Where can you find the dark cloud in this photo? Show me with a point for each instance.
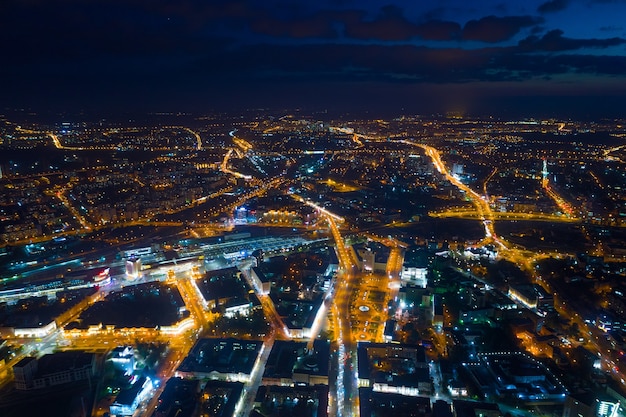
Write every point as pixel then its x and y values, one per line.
pixel 434 14
pixel 409 64
pixel 114 29
pixel 537 30
pixel 611 28
pixel 319 25
pixel 493 29
pixel 436 30
pixel 554 41
pixel 390 25
pixel 502 8
pixel 552 6
pixel 147 48
pixel 593 64
pixel 365 62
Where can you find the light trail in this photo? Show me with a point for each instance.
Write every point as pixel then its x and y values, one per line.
pixel 244 406
pixel 508 215
pixel 243 144
pixel 486 181
pixel 482 206
pixel 224 167
pixel 84 223
pixel 318 207
pixel 563 205
pixel 57 143
pixel 607 153
pixel 346 382
pixel 197 136
pixel 266 303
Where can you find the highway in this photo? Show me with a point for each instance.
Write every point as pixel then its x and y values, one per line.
pixel 482 206
pixel 485 193
pixel 507 251
pixel 347 394
pixel 563 205
pixel 224 167
pixel 57 143
pixel 197 136
pixel 463 213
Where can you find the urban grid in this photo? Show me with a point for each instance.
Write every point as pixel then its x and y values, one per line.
pixel 313 209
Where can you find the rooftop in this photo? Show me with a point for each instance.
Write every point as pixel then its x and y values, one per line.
pixel 222 355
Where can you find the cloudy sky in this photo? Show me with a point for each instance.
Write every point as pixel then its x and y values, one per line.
pixel 560 57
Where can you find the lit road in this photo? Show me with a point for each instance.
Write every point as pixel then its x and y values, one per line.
pixel 563 205
pixel 368 314
pixel 483 210
pixel 394 269
pixel 607 153
pixel 224 167
pixel 197 136
pixel 323 211
pixel 193 300
pixel 611 359
pixel 244 145
pixel 482 206
pixel 394 262
pixel 346 398
pixel 61 196
pixel 486 181
pixel 464 213
pixel 30 347
pixel 389 284
pixel 200 200
pixel 166 373
pixel 246 401
pixel 266 303
pixel 57 143
pixel 182 343
pixel 440 391
pixel 50 342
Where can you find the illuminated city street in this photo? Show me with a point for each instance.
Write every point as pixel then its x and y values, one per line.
pixel 305 264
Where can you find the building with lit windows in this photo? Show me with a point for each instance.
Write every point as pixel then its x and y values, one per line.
pixel 123 358
pixel 128 400
pixel 463 408
pixel 295 363
pixel 592 405
pixel 53 369
pixel 394 368
pixel 133 268
pixel 221 359
pixel 414 276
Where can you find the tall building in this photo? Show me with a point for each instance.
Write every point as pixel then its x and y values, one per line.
pixel 133 268
pixel 457 169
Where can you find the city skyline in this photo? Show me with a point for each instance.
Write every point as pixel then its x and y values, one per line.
pixel 293 263
pixel 310 209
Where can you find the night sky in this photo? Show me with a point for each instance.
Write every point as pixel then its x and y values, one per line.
pixel 565 58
